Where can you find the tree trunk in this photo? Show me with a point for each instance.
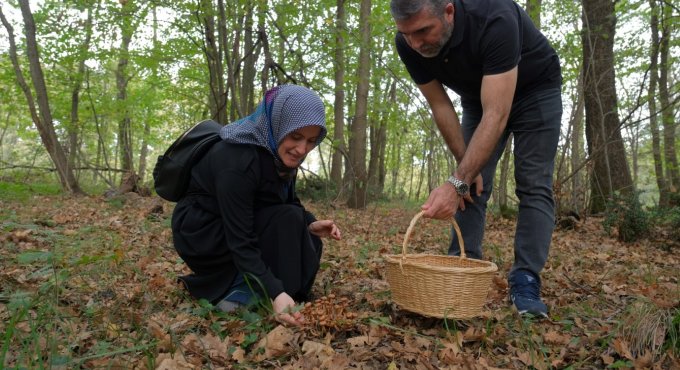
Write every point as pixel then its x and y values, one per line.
pixel 578 191
pixel 427 170
pixel 122 79
pixel 377 141
pixel 611 174
pixel 382 138
pixel 248 78
pixel 339 103
pixel 43 120
pixel 231 96
pixel 411 173
pixel 213 58
pixel 672 173
pixel 651 103
pixel 77 79
pixel 503 176
pixel 422 170
pixel 533 8
pixel 396 150
pixel 357 143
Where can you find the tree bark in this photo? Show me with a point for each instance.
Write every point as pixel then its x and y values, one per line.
pixel 248 77
pixel 672 173
pixel 357 143
pixel 43 119
pixel 213 58
pixel 533 8
pixel 127 29
pixel 382 138
pixel 611 174
pixel 651 103
pixel 503 176
pixel 377 139
pixel 339 103
pixel 230 59
pixel 578 191
pixel 77 79
pixel 396 150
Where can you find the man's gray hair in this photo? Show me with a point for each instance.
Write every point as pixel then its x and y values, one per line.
pixel 404 9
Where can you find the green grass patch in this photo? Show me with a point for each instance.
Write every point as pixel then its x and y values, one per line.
pixel 23 191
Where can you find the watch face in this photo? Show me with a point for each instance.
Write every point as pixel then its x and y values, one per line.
pixel 461 187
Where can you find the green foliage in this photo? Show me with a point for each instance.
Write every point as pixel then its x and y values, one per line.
pixel 672 342
pixel 625 213
pixel 508 212
pixel 24 190
pixel 668 221
pixel 316 189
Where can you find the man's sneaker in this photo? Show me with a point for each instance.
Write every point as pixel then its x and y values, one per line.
pixel 525 293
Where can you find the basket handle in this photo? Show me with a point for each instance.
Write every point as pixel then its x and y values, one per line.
pixel 409 231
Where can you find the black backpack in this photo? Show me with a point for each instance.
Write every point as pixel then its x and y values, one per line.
pixel 172 172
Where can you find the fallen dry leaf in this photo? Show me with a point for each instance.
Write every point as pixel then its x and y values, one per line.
pixel 276 343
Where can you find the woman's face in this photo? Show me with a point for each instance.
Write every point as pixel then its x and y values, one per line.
pixel 294 147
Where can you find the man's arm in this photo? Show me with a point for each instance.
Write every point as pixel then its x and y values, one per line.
pixel 445 117
pixel 497 94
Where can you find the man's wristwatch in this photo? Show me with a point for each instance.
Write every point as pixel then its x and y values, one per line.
pixel 461 187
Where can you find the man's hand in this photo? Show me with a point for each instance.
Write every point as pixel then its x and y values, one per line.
pixel 283 306
pixel 442 203
pixel 479 186
pixel 324 229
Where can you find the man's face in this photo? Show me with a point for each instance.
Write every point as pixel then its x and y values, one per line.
pixel 427 33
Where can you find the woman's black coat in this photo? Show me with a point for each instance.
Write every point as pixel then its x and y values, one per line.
pixel 218 228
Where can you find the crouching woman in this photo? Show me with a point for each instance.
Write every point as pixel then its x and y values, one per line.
pixel 241 228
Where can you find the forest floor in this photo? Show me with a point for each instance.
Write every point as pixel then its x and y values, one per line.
pixel 90 282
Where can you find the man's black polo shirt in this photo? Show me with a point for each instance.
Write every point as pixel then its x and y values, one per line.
pixel 489 37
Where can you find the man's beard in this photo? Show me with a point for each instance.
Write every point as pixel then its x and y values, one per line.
pixel 432 50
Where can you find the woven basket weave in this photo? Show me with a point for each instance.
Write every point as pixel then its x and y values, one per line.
pixel 436 285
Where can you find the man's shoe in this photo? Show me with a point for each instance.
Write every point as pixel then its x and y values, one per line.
pixel 525 293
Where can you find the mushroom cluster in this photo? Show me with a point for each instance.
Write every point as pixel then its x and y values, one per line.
pixel 329 313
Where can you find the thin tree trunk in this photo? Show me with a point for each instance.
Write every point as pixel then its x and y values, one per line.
pixel 651 102
pixel 122 79
pixel 411 174
pixel 213 59
pixel 578 190
pixel 672 174
pixel 376 145
pixel 43 119
pixel 74 127
pixel 503 177
pixel 382 138
pixel 428 165
pixel 339 103
pixel 231 58
pixel 421 171
pixel 248 80
pixel 357 146
pixel 396 149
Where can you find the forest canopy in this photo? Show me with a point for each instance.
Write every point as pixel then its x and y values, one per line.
pixel 94 90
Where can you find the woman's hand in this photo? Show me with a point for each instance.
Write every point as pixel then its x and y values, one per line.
pixel 324 229
pixel 283 306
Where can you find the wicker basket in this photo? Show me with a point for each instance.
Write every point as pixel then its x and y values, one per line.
pixel 436 285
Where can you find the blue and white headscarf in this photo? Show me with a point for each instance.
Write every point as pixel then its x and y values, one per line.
pixel 283 110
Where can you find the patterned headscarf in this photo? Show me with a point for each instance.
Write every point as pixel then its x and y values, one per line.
pixel 283 110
